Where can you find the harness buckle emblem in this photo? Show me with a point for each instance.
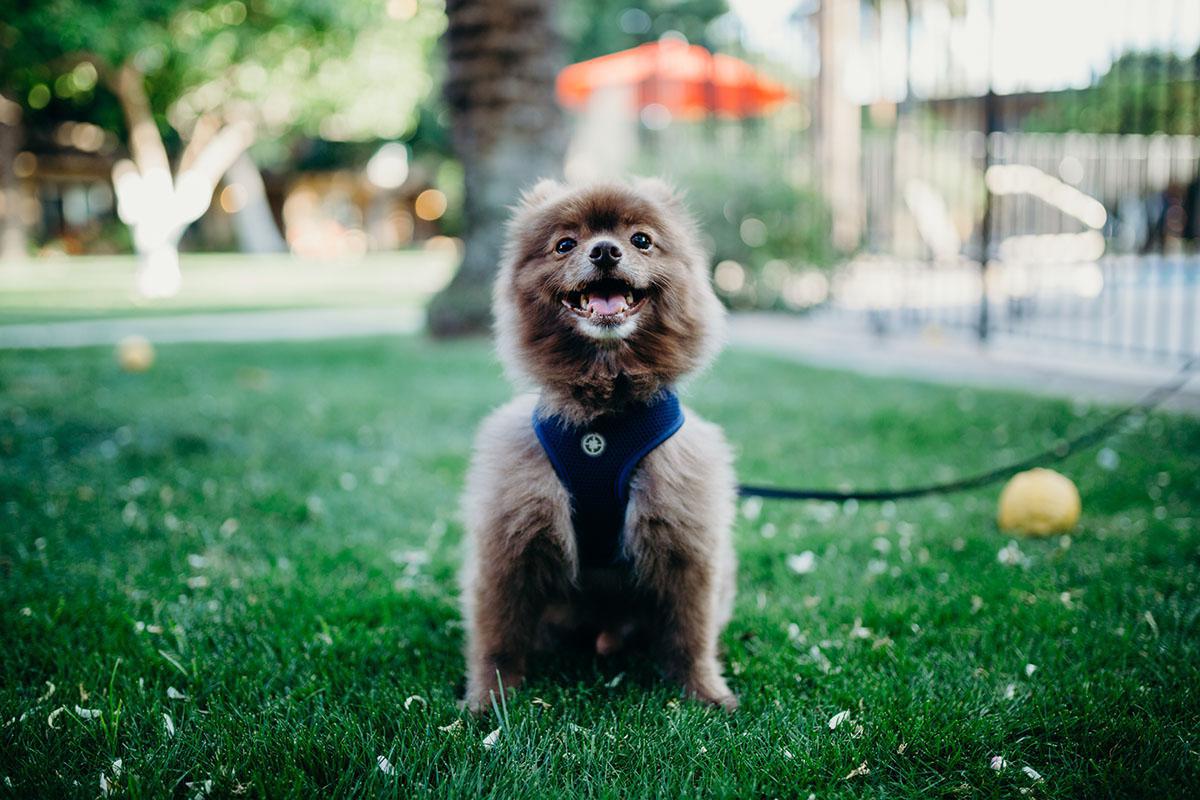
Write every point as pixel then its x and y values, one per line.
pixel 593 444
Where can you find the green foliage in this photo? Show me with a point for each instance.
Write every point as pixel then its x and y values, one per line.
pixel 755 214
pixel 1150 92
pixel 606 26
pixel 271 530
pixel 340 69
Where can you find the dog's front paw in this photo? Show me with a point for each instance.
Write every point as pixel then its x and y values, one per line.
pixel 478 702
pixel 714 692
pixel 482 688
pixel 729 702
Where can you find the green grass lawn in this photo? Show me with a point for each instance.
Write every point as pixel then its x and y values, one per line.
pixel 95 287
pixel 258 543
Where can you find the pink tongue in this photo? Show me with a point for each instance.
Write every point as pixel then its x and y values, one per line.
pixel 606 306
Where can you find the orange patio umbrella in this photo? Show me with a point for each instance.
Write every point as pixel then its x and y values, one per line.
pixel 686 79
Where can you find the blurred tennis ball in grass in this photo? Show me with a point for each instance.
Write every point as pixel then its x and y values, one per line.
pixel 135 354
pixel 1039 502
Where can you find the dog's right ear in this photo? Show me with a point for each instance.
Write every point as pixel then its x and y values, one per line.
pixel 662 191
pixel 539 193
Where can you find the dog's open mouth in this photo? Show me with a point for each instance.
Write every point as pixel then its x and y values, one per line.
pixel 606 302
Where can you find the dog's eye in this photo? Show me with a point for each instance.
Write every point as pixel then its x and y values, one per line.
pixel 565 245
pixel 640 240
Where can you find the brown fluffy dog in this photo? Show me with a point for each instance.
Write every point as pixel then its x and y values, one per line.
pixel 522 584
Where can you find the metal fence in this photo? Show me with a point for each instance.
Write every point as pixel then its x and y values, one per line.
pixel 971 221
pixel 1091 239
pixel 978 178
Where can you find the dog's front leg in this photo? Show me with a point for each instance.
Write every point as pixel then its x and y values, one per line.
pixel 519 570
pixel 685 587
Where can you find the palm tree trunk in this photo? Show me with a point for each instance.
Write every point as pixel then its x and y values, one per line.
pixel 502 60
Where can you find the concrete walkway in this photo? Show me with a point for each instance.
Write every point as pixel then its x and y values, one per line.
pixel 227 326
pixel 844 343
pixel 835 342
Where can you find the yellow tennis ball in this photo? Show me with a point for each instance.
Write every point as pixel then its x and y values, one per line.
pixel 1039 502
pixel 135 354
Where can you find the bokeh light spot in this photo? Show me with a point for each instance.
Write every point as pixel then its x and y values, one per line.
pixel 24 164
pixel 656 116
pixel 84 76
pixel 233 13
pixel 430 205
pixel 39 96
pixel 402 9
pixel 233 198
pixel 388 168
pixel 635 20
pixel 753 232
pixel 730 277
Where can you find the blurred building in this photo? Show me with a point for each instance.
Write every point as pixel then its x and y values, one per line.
pixel 67 203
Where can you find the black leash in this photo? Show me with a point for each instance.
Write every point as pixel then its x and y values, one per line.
pixel 1061 450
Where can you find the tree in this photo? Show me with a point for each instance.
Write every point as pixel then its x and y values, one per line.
pixel 1142 92
pixel 502 57
pixel 207 78
pixel 599 27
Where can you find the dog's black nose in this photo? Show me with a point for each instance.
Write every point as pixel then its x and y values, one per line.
pixel 605 253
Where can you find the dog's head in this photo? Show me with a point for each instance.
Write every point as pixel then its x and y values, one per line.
pixel 603 296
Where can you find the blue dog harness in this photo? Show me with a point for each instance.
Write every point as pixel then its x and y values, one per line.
pixel 595 463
